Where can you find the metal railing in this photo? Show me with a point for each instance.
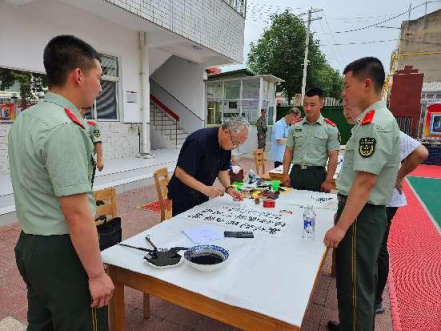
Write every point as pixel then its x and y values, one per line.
pixel 160 123
pixel 189 121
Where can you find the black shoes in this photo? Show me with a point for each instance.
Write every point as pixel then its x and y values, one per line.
pixel 333 326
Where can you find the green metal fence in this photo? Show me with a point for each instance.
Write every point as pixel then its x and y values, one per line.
pixel 334 113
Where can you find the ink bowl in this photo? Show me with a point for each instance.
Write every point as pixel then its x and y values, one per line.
pixel 206 257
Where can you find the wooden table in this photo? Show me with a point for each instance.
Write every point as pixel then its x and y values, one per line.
pixel 236 316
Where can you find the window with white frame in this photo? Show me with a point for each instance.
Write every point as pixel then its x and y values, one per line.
pixel 107 101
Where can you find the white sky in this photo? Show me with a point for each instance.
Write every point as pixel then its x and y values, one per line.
pixel 339 15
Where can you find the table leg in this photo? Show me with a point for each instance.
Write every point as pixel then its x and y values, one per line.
pixel 116 305
pixel 146 299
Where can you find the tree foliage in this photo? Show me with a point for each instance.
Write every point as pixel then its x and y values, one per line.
pixel 30 83
pixel 280 52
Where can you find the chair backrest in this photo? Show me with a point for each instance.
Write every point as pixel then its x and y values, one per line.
pixel 161 182
pixel 108 196
pixel 259 159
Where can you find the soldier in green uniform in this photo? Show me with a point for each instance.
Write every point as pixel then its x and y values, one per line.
pixel 365 185
pixel 94 133
pixel 50 157
pixel 311 142
pixel 261 130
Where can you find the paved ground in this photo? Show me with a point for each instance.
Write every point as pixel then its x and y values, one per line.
pixel 165 316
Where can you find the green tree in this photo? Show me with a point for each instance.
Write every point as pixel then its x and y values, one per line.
pixel 280 52
pixel 30 83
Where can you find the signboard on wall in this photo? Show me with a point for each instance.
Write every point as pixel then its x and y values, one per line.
pixel 7 112
pixel 432 124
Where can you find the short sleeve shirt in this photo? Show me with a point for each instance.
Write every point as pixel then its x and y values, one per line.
pixel 280 131
pixel 313 141
pixel 50 156
pixel 94 131
pixel 373 147
pixel 407 146
pixel 202 158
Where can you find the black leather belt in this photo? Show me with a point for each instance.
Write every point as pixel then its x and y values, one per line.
pixel 343 199
pixel 304 167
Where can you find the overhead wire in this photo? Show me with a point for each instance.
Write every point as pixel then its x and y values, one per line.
pixel 381 22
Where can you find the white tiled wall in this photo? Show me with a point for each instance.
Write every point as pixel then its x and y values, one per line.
pixel 211 23
pixel 119 141
pixel 4 163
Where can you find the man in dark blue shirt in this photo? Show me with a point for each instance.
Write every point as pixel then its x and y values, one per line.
pixel 205 156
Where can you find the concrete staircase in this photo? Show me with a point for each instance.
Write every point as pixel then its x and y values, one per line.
pixel 166 125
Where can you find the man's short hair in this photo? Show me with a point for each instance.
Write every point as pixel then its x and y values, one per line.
pixel 295 111
pixel 314 91
pixel 236 124
pixel 65 53
pixel 368 67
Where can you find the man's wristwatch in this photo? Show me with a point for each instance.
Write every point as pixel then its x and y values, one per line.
pixel 226 190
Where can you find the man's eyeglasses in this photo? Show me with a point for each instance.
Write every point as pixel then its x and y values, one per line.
pixel 235 143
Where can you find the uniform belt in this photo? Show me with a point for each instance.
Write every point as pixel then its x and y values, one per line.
pixel 303 167
pixel 343 199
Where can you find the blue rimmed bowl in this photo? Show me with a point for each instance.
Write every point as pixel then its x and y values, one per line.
pixel 206 257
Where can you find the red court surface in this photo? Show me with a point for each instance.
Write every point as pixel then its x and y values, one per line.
pixel 431 171
pixel 415 264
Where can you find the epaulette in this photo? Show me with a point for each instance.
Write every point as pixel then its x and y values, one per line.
pixel 368 117
pixel 329 122
pixel 73 117
pixel 91 123
pixel 297 120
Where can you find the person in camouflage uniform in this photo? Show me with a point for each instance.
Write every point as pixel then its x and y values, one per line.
pixel 261 130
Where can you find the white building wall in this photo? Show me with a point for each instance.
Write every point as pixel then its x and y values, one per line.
pixel 4 163
pixel 211 23
pixel 25 43
pixel 185 81
pixel 119 140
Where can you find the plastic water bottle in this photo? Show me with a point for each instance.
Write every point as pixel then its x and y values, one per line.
pixel 309 223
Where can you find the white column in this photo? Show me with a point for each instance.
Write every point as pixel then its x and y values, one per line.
pixel 145 94
pixel 260 95
pixel 240 96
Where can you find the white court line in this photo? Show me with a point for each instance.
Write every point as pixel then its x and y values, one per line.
pixel 435 223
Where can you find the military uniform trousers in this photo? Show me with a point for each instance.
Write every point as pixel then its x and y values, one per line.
pixel 58 288
pixel 356 265
pixel 309 179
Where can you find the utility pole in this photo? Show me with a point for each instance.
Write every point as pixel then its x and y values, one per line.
pixel 305 61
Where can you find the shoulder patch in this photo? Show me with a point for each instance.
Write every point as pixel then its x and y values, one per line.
pixel 297 120
pixel 91 123
pixel 73 117
pixel 327 120
pixel 368 117
pixel 367 147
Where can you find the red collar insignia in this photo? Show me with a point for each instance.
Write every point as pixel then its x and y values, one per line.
pixel 329 121
pixel 297 120
pixel 73 117
pixel 91 123
pixel 368 117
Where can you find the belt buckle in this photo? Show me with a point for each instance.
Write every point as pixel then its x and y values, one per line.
pixel 303 167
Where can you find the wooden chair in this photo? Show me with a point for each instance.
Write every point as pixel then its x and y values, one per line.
pixel 161 182
pixel 109 208
pixel 259 160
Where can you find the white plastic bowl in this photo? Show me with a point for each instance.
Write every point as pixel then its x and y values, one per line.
pixel 203 250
